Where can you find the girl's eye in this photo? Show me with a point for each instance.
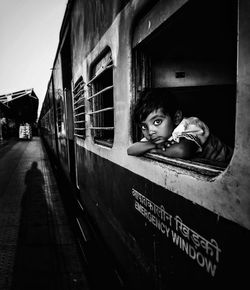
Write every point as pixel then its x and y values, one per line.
pixel 143 127
pixel 157 122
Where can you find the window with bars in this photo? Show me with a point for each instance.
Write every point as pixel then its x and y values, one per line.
pixel 101 102
pixel 79 109
pixel 59 115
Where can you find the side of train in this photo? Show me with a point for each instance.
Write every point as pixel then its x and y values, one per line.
pixel 164 220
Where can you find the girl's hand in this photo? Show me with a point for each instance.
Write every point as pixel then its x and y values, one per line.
pixel 165 145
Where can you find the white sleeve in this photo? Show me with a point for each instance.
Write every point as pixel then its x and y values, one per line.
pixel 192 129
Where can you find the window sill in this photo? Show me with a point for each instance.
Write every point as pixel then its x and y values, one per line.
pixel 104 143
pixel 195 165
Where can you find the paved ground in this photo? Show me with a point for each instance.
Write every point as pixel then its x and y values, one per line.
pixel 37 247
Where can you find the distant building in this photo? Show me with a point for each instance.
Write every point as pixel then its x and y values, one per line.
pixel 17 108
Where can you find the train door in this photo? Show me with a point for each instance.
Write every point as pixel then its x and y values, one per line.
pixel 66 78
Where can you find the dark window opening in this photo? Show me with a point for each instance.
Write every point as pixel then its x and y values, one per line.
pixel 193 54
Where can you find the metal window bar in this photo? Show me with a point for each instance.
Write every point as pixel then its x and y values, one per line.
pixel 80 114
pixel 78 130
pixel 79 85
pixel 79 107
pixel 100 92
pixel 79 122
pixel 79 100
pixel 102 110
pixel 78 92
pixel 100 73
pixel 78 135
pixel 101 128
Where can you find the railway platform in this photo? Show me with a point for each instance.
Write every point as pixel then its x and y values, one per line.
pixel 38 249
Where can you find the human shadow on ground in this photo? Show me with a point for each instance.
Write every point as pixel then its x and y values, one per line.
pixel 36 259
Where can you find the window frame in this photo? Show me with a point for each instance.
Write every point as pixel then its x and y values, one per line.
pixel 59 114
pixel 144 29
pixel 79 108
pixel 98 90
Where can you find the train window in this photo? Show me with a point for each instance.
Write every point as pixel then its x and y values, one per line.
pixel 101 102
pixel 79 108
pixel 59 115
pixel 191 50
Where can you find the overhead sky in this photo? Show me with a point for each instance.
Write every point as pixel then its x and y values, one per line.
pixel 29 36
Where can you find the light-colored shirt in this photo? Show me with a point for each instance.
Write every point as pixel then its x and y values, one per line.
pixel 208 146
pixel 192 129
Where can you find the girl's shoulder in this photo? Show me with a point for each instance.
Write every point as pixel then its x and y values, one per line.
pixel 193 129
pixel 192 122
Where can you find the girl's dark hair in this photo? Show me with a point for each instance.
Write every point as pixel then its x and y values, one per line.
pixel 153 99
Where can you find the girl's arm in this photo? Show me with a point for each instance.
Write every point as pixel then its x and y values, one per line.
pixel 184 149
pixel 140 148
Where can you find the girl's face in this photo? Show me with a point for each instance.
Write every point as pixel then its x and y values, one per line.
pixel 157 127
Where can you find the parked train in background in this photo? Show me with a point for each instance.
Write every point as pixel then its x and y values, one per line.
pixel 166 221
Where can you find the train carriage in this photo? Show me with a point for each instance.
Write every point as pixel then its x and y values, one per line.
pixel 165 220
